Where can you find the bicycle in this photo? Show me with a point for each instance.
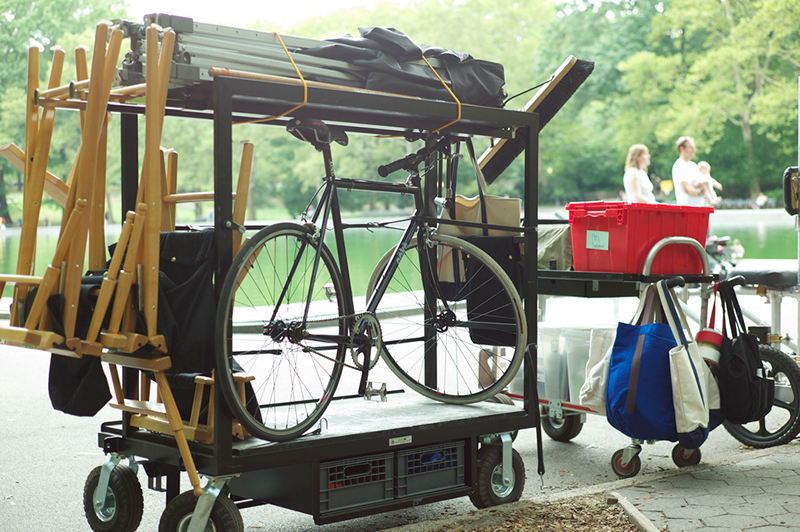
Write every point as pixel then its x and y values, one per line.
pixel 287 318
pixel 782 424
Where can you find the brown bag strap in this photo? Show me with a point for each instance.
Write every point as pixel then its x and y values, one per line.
pixel 633 383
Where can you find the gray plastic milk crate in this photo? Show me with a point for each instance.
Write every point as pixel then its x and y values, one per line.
pixel 430 468
pixel 356 481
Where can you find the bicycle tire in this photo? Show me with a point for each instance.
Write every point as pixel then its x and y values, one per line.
pixel 292 385
pixel 782 424
pixel 461 376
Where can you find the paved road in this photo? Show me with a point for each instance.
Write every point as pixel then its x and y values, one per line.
pixel 45 457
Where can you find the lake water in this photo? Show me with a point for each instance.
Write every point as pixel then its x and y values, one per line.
pixel 763 233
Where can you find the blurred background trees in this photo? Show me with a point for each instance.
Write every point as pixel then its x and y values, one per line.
pixel 722 71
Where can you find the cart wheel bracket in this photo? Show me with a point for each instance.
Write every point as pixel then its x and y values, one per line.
pixel 629 452
pixel 105 477
pixel 554 409
pixel 506 440
pixel 205 503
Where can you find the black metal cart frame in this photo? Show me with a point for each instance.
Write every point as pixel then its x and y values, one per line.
pixel 227 101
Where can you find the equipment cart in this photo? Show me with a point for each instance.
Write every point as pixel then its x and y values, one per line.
pixel 564 351
pixel 358 457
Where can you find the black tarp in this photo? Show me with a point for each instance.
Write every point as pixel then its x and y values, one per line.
pixel 391 62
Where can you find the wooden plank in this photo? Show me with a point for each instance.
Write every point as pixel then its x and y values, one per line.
pixel 22 336
pixel 147 408
pixel 191 197
pixel 20 279
pixel 53 186
pixel 141 361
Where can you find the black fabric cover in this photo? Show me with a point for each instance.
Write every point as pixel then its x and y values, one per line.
pixel 76 386
pixel 187 306
pixel 486 299
pixel 391 63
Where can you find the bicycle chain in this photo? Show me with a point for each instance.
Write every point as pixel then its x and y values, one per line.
pixel 357 319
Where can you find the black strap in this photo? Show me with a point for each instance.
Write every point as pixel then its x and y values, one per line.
pixel 476 169
pixel 452 178
pixel 730 306
pixel 532 394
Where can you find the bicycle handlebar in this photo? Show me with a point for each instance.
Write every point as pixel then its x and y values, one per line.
pixel 411 162
pixel 675 281
pixel 736 281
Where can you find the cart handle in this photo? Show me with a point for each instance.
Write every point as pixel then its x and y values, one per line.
pixel 661 244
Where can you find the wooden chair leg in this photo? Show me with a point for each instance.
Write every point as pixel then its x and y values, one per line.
pixel 52 276
pixel 242 191
pixel 175 422
pixel 97 213
pixel 110 282
pixel 157 80
pixel 125 280
pixel 99 88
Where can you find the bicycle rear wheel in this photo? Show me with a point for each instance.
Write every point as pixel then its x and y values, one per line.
pixel 439 347
pixel 260 332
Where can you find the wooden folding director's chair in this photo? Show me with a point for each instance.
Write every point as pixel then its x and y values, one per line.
pixel 121 327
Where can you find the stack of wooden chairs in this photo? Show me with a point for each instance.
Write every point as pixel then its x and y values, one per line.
pixel 135 260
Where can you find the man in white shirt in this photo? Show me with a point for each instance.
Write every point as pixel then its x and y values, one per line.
pixel 684 174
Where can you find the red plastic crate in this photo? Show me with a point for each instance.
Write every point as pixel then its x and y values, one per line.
pixel 617 236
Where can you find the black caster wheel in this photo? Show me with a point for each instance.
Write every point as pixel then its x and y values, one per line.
pixel 491 490
pixel 225 516
pixel 123 503
pixel 625 471
pixel 685 457
pixel 562 428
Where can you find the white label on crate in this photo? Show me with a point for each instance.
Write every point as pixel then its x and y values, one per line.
pixel 399 441
pixel 597 240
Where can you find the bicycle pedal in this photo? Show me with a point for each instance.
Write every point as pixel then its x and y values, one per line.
pixel 372 391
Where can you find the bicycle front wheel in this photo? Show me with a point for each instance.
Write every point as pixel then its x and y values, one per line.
pixel 261 331
pixel 450 342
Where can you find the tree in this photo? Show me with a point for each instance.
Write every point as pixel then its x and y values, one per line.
pixel 731 62
pixel 26 24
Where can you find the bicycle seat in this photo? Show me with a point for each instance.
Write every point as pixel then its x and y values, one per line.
pixel 316 132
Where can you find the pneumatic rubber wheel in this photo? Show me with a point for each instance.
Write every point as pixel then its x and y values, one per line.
pixel 429 323
pixel 225 516
pixel 782 423
pixel 274 307
pixel 123 503
pixel 563 428
pixel 685 457
pixel 625 471
pixel 491 490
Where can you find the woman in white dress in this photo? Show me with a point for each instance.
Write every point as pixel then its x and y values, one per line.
pixel 638 188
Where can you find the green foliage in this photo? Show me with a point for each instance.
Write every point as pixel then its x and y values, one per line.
pixel 724 72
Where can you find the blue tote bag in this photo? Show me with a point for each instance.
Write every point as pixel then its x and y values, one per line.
pixel 639 392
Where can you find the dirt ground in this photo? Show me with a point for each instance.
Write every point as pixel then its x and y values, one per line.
pixel 583 514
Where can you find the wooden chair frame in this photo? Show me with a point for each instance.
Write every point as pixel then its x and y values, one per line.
pixel 136 257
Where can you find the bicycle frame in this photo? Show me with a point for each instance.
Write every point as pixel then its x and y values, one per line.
pixel 328 209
